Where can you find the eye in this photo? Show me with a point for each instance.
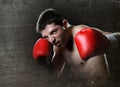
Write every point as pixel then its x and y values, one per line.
pixel 54 31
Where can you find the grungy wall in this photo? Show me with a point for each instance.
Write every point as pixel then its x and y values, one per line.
pixel 17 37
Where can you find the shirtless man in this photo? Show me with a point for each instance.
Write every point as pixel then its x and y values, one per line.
pixel 66 39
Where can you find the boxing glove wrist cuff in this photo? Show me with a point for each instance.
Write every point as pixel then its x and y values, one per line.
pixel 114 39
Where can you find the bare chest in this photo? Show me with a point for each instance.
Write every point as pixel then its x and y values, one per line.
pixel 72 57
pixel 92 65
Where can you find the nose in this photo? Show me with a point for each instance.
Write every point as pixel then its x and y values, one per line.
pixel 52 39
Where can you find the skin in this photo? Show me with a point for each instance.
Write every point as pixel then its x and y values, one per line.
pixel 94 71
pixel 54 34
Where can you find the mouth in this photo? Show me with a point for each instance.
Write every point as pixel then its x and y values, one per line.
pixel 58 44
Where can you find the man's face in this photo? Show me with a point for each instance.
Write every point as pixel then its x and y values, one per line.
pixel 54 34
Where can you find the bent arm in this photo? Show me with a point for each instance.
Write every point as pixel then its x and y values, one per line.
pixel 114 37
pixel 58 62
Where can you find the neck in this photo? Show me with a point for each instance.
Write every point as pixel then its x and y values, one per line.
pixel 69 38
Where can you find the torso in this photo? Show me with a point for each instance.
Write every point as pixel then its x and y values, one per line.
pixel 94 70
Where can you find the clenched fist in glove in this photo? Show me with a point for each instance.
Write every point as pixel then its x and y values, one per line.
pixel 91 42
pixel 42 50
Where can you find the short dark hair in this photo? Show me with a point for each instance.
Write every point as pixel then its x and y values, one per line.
pixel 48 16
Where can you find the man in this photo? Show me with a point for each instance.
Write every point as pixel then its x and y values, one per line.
pixel 66 39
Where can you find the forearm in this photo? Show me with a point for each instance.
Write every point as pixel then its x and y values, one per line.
pixel 58 66
pixel 114 39
pixel 58 62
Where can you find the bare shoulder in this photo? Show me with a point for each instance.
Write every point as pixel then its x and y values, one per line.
pixel 77 28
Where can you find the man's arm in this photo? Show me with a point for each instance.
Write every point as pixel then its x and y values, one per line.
pixel 44 53
pixel 114 37
pixel 91 42
pixel 58 61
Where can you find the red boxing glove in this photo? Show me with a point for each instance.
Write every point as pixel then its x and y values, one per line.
pixel 42 49
pixel 91 42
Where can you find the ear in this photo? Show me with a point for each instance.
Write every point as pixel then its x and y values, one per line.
pixel 65 23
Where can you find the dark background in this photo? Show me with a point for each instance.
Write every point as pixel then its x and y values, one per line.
pixel 17 37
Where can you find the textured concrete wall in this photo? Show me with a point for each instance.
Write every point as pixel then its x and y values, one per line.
pixel 17 36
